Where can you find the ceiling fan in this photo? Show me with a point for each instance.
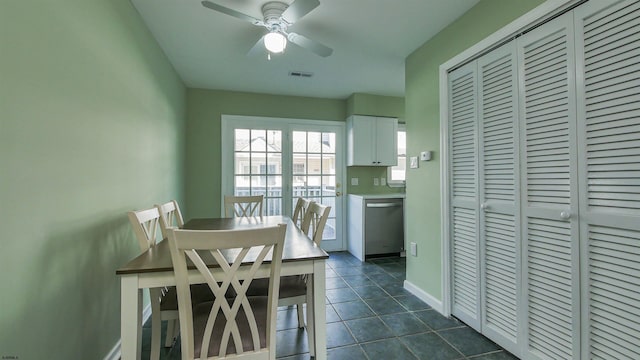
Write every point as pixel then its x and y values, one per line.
pixel 278 16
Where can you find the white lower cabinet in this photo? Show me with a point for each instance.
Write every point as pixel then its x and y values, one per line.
pixel 544 206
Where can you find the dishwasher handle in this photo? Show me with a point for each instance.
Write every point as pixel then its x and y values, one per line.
pixel 384 205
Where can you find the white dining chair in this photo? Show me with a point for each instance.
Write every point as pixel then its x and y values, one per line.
pixel 300 211
pixel 293 288
pixel 243 206
pixel 239 327
pixel 163 300
pixel 315 220
pixel 171 217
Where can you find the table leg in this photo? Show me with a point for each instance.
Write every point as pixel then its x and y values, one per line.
pixel 130 318
pixel 310 317
pixel 319 305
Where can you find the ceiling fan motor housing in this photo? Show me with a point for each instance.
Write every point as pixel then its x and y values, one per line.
pixel 272 12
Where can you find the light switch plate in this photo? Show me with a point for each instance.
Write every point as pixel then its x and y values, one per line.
pixel 383 181
pixel 376 182
pixel 413 162
pixel 354 181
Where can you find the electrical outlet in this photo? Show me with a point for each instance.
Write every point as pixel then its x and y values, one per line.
pixel 376 182
pixel 414 249
pixel 383 181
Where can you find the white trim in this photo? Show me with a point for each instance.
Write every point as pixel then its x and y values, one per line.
pixel 536 16
pixel 116 352
pixel 398 183
pixel 424 296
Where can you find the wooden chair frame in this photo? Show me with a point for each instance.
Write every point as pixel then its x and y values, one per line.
pixel 315 220
pixel 300 211
pixel 145 226
pixel 170 216
pixel 243 206
pixel 192 244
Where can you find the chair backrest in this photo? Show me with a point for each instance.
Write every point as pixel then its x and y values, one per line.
pixel 238 318
pixel 315 219
pixel 145 226
pixel 243 206
pixel 300 211
pixel 170 216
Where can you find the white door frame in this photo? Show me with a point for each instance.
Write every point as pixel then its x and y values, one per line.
pixel 231 122
pixel 538 15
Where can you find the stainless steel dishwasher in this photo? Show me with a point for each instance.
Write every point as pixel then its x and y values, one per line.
pixel 383 226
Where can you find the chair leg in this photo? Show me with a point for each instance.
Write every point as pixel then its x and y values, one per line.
pixel 168 341
pixel 156 330
pixel 300 315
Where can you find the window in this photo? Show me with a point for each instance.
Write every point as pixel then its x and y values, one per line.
pixel 396 174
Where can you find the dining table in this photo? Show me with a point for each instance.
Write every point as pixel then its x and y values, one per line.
pixel 154 268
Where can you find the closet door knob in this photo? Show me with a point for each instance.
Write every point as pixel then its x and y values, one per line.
pixel 565 215
pixel 484 206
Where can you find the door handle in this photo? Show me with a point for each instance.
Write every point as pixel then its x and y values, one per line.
pixel 384 205
pixel 338 193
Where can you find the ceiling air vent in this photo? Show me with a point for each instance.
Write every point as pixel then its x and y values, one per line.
pixel 300 74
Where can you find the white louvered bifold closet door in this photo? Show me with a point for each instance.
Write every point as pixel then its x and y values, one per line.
pixel 463 173
pixel 499 196
pixel 549 190
pixel 608 63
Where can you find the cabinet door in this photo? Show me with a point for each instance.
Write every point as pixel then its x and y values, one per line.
pixel 499 197
pixel 463 173
pixel 550 192
pixel 608 49
pixel 386 144
pixel 361 147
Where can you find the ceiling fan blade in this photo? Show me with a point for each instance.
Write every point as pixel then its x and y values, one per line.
pixel 311 45
pixel 235 14
pixel 298 9
pixel 257 48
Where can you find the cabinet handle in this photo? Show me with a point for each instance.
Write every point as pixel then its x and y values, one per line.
pixel 565 215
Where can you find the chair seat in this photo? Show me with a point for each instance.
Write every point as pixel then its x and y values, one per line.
pixel 290 286
pixel 200 293
pixel 201 313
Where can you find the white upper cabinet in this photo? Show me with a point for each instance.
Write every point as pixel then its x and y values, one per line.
pixel 372 141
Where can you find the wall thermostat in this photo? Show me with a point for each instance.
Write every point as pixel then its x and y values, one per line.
pixel 425 155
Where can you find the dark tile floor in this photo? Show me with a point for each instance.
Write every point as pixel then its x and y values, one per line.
pixel 371 316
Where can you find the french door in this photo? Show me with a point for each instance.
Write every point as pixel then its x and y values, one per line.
pixel 283 159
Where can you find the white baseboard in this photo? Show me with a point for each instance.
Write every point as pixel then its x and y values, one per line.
pixel 424 296
pixel 115 353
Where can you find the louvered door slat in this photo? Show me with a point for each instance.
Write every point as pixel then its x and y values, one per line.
pixel 498 148
pixel 608 65
pixel 548 161
pixel 464 194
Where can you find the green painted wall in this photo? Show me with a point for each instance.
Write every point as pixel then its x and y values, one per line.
pixel 204 152
pixel 373 105
pixel 376 105
pixel 91 125
pixel 423 129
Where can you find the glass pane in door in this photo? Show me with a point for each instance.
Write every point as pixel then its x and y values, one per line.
pixel 258 166
pixel 314 172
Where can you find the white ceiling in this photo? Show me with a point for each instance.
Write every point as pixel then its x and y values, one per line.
pixel 370 41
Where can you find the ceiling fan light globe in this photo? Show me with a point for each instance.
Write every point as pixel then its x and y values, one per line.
pixel 275 42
